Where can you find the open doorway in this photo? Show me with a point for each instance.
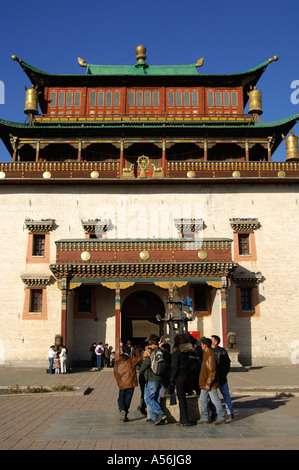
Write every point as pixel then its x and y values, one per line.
pixel 138 316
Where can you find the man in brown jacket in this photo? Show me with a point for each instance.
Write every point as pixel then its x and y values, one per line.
pixel 208 384
pixel 126 377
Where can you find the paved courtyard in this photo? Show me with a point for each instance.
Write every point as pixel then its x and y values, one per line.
pixel 266 403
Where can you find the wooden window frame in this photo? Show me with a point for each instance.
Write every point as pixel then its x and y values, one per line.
pixel 255 311
pixel 202 313
pixel 27 313
pixel 143 109
pixel 182 109
pixel 222 109
pixel 30 258
pixel 253 254
pixel 110 109
pixel 93 310
pixel 73 110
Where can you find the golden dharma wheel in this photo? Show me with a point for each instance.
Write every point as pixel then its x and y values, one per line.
pixel 94 174
pixel 255 101
pixel 291 147
pixel 31 101
pixel 47 175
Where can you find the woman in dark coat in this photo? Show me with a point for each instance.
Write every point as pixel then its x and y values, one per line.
pixel 183 359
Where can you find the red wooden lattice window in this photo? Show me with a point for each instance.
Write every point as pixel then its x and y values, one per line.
pixel 183 101
pixel 104 101
pixel 223 101
pixel 65 101
pixel 144 101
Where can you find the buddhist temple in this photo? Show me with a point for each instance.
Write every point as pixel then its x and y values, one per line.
pixel 131 184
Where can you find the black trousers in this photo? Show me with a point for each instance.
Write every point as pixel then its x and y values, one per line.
pixel 182 386
pixel 125 398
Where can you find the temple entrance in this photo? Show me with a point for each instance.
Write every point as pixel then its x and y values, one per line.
pixel 138 316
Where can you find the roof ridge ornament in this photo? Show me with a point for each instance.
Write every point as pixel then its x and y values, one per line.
pixel 82 62
pixel 200 62
pixel 140 53
pixel 274 58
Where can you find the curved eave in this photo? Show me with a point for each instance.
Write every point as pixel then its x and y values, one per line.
pixel 42 130
pixel 243 79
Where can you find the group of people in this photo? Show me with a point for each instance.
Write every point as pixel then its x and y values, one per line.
pixel 188 368
pixel 57 359
pixel 101 356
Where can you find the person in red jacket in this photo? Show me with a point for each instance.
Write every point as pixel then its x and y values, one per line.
pixel 126 377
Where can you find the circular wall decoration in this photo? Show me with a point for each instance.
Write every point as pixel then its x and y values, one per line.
pixel 47 174
pixel 85 256
pixel 95 174
pixel 281 174
pixel 144 255
pixel 191 174
pixel 202 254
pixel 2 175
pixel 236 174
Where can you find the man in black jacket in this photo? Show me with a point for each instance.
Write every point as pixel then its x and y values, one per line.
pixel 223 368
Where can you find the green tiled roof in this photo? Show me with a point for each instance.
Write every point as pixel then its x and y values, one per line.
pixel 141 69
pixel 168 73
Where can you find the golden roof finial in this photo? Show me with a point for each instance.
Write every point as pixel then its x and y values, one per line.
pixel 274 58
pixel 200 62
pixel 140 53
pixel 81 62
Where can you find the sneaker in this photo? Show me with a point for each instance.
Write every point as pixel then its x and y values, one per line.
pixel 159 418
pixel 229 417
pixel 203 422
pixel 122 415
pixel 149 421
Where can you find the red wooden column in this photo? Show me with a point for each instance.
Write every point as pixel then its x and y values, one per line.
pixel 246 151
pixel 205 150
pixel 164 156
pixel 224 312
pixel 64 293
pixel 117 321
pixel 121 158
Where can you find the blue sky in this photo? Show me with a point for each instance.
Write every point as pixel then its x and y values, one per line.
pixel 232 36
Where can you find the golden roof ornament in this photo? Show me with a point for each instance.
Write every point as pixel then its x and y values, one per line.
pixel 82 62
pixel 140 53
pixel 274 58
pixel 200 62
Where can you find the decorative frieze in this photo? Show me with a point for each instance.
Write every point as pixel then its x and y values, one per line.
pixel 36 280
pixel 39 226
pixel 244 225
pixel 96 225
pixel 247 279
pixel 141 270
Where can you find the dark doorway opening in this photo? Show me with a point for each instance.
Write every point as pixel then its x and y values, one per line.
pixel 138 316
